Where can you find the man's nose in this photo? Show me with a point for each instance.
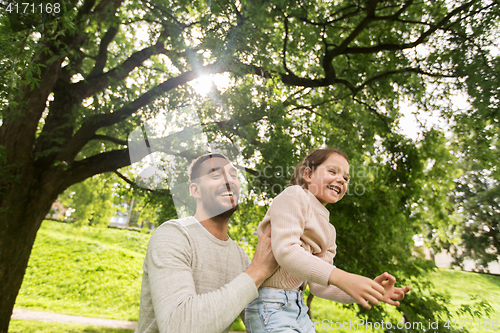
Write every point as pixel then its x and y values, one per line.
pixel 228 178
pixel 232 181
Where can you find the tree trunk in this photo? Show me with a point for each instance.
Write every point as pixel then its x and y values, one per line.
pixel 22 209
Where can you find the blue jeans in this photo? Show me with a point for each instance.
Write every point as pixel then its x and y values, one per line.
pixel 278 311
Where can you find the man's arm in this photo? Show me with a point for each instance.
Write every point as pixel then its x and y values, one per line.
pixel 263 263
pixel 176 306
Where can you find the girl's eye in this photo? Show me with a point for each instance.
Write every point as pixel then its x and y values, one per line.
pixel 346 179
pixel 333 172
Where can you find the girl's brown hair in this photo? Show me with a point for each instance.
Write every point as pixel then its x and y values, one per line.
pixel 312 161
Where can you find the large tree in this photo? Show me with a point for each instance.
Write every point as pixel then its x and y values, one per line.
pixel 77 82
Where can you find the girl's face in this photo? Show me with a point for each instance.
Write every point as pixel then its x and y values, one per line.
pixel 328 182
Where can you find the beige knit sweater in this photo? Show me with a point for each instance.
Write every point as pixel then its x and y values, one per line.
pixel 303 242
pixel 192 281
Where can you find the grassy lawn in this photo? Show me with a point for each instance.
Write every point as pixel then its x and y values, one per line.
pixel 85 271
pixel 97 272
pixel 31 326
pixel 467 289
pixel 464 288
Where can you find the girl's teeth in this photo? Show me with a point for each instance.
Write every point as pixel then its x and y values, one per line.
pixel 334 189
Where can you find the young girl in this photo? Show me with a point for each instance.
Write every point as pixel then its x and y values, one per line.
pixel 303 243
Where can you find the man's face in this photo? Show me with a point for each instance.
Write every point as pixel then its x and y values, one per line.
pixel 219 187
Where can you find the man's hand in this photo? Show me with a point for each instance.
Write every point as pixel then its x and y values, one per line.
pixel 392 294
pixel 361 288
pixel 263 263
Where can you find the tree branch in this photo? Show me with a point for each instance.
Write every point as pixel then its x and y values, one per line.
pixel 406 5
pixel 298 81
pixel 308 108
pixel 394 47
pixel 285 41
pixel 85 9
pixel 94 165
pixel 111 139
pixel 401 71
pixel 102 56
pixel 370 16
pixel 163 12
pixel 333 21
pixel 86 88
pixel 382 118
pixel 88 129
pixel 131 183
pixel 19 126
pixel 74 65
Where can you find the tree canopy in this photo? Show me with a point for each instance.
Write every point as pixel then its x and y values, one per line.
pixel 76 83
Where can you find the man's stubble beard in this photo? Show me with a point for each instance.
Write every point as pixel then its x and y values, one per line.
pixel 216 211
pixel 223 217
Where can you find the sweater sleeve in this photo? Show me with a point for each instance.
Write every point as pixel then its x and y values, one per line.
pixel 176 305
pixel 288 213
pixel 331 292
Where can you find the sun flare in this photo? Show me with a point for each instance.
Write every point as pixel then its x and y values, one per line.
pixel 206 83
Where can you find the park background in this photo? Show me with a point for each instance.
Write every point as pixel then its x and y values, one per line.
pixel 275 79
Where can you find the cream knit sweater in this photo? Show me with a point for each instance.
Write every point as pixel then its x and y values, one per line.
pixel 303 242
pixel 192 281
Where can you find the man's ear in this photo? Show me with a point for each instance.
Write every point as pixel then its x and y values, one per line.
pixel 194 190
pixel 306 175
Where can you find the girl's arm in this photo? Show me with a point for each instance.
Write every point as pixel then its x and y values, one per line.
pixel 361 288
pixel 330 292
pixel 392 294
pixel 333 293
pixel 288 214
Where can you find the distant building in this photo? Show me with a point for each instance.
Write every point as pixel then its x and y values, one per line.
pixel 130 221
pixel 57 211
pixel 120 222
pixel 444 260
pixel 123 222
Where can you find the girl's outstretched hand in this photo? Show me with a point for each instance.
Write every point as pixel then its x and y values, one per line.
pixel 361 288
pixel 392 294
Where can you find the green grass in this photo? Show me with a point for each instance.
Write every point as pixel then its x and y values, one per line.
pixel 463 285
pixel 32 326
pixel 464 289
pixel 97 272
pixel 85 271
pixel 329 316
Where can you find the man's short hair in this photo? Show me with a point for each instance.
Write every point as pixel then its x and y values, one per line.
pixel 194 167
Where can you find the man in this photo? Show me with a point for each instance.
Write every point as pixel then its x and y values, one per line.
pixel 196 279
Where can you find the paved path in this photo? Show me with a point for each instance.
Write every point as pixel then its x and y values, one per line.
pixel 63 318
